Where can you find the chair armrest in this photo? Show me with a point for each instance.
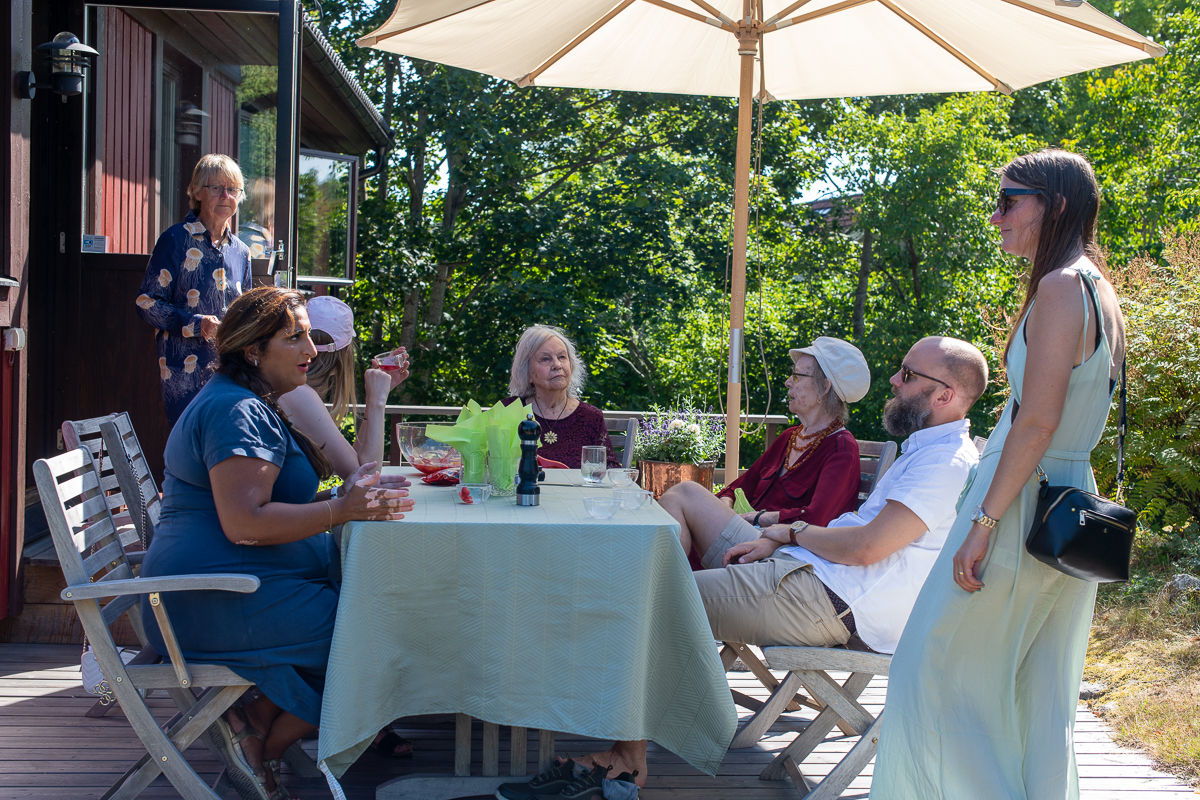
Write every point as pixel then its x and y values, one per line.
pixel 226 582
pixel 135 557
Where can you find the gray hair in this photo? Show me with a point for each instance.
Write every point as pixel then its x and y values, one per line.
pixel 831 404
pixel 519 384
pixel 208 166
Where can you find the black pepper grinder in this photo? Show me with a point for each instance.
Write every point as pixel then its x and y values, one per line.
pixel 527 470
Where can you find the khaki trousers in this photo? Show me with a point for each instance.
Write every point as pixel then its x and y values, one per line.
pixel 775 602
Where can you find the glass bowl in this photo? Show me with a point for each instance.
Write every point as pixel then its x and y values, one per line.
pixel 472 493
pixel 601 507
pixel 422 450
pixel 632 498
pixel 621 477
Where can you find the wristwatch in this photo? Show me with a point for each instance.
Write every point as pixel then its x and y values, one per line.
pixel 983 519
pixel 797 527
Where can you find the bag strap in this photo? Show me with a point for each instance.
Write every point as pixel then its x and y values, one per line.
pixel 1121 423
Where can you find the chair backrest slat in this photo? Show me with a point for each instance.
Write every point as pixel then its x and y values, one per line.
pixel 880 457
pixel 133 474
pixel 117 607
pixel 110 555
pixel 92 507
pixel 622 438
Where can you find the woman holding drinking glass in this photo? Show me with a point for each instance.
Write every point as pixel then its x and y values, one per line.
pixel 197 269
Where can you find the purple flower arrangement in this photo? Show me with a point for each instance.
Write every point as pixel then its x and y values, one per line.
pixel 683 435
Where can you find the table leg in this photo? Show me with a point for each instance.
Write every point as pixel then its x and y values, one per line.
pixel 517 751
pixel 545 750
pixel 462 745
pixel 491 749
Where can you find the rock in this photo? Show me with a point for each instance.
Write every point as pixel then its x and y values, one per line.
pixel 1090 691
pixel 1108 708
pixel 1179 588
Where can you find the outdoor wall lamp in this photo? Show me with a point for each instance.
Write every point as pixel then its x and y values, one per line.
pixel 68 59
pixel 189 124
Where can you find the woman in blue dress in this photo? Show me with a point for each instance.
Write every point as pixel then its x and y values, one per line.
pixel 240 496
pixel 197 269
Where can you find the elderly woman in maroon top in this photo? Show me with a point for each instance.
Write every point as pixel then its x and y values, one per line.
pixel 809 474
pixel 548 374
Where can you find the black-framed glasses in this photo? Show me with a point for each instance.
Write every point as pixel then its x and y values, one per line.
pixel 801 374
pixel 1005 201
pixel 216 191
pixel 907 372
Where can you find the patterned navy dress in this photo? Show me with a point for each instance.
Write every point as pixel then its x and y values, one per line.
pixel 188 275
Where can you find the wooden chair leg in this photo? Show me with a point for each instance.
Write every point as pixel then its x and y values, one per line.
pixel 843 773
pixel 765 717
pixel 815 733
pixel 491 749
pixel 545 750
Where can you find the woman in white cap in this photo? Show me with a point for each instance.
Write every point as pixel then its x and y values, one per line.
pixel 331 380
pixel 810 473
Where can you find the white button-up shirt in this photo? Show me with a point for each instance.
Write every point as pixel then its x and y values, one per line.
pixel 927 478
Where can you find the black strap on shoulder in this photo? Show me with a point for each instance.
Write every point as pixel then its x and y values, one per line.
pixel 1121 422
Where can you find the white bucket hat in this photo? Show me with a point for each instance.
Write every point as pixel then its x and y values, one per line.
pixel 335 318
pixel 842 363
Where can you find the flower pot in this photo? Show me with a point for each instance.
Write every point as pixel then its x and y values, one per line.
pixel 658 476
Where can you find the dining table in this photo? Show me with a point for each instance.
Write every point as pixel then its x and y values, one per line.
pixel 537 617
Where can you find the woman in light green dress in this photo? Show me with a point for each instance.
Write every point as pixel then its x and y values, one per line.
pixel 983 686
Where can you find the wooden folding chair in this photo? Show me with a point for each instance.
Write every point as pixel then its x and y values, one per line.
pixel 96 567
pixel 875 459
pixel 86 432
pixel 133 474
pixel 621 433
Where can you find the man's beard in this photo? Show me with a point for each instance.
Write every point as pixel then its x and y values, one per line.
pixel 905 416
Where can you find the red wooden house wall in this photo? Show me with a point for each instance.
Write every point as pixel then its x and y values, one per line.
pixel 127 150
pixel 223 124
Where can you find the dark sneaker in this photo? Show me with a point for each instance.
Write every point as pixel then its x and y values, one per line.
pixel 587 787
pixel 550 782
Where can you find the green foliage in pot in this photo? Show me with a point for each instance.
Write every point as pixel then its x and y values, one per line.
pixel 683 435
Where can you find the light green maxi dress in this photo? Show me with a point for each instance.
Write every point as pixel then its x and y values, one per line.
pixel 983 687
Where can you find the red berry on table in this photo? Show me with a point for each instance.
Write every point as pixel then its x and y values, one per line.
pixel 465 494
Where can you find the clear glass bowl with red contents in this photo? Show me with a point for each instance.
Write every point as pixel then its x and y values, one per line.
pixel 421 449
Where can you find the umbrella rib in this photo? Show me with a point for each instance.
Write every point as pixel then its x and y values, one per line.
pixel 1145 46
pixel 552 60
pixel 692 14
pixel 997 84
pixel 785 12
pixel 717 14
pixel 371 40
pixel 821 12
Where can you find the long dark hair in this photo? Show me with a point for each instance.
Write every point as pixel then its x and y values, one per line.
pixel 254 319
pixel 1067 227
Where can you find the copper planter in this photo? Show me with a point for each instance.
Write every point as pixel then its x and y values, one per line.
pixel 658 476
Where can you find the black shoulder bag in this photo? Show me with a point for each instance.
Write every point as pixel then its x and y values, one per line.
pixel 1082 534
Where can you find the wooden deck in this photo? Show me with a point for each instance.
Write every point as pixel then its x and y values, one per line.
pixel 50 751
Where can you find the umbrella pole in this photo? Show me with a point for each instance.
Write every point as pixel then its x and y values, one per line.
pixel 747 49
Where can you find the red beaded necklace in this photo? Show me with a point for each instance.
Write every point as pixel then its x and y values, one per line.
pixel 807 448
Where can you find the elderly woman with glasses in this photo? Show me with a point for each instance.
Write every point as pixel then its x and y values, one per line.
pixel 197 269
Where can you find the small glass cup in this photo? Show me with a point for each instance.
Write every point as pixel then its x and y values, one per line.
pixel 632 498
pixel 503 471
pixel 391 361
pixel 622 477
pixel 472 493
pixel 600 507
pixel 593 465
pixel 475 469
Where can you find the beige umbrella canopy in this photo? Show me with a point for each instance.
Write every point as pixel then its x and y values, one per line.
pixel 809 49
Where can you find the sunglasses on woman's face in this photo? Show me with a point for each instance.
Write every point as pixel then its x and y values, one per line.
pixel 1007 198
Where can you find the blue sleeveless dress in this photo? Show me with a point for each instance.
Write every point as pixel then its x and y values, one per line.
pixel 983 687
pixel 279 636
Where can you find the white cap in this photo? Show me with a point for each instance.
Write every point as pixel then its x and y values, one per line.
pixel 842 363
pixel 335 318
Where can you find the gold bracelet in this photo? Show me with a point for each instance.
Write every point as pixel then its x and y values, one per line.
pixel 327 505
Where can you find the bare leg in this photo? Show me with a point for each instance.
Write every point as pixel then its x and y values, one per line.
pixel 280 730
pixel 621 757
pixel 700 513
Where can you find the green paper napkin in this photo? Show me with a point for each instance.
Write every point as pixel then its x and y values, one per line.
pixel 740 504
pixel 468 435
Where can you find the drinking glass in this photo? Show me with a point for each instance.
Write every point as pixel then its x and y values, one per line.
pixel 600 507
pixel 503 470
pixel 593 465
pixel 622 476
pixel 632 498
pixel 391 361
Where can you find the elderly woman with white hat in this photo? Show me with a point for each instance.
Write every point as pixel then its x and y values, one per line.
pixel 810 473
pixel 331 380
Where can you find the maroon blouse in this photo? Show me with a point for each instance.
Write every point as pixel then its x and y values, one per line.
pixel 564 439
pixel 821 489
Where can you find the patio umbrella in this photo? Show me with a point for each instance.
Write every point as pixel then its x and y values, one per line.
pixel 809 49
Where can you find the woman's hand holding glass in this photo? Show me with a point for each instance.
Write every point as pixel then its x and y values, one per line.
pixel 394 364
pixel 372 496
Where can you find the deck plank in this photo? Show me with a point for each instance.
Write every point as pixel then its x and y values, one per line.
pixel 50 751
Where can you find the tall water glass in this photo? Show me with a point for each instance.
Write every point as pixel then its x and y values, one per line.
pixel 593 465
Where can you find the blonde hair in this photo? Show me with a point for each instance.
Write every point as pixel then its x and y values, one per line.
pixel 519 384
pixel 206 167
pixel 331 376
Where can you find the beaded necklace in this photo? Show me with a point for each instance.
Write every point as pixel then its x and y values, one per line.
pixel 807 448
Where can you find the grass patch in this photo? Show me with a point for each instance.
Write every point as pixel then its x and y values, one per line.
pixel 1146 651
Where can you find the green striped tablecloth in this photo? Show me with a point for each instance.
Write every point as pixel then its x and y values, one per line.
pixel 541 617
